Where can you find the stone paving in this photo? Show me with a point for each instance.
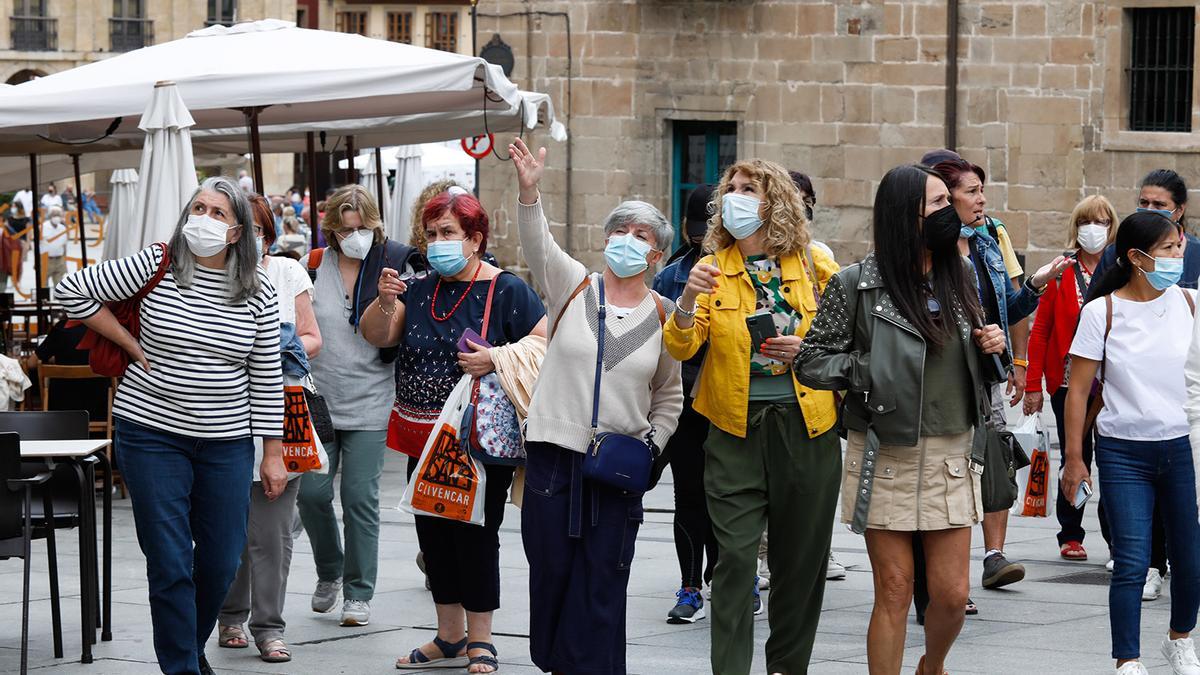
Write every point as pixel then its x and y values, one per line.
pixel 1042 625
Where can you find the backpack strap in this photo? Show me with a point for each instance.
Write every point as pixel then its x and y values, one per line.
pixel 314 261
pixel 1191 303
pixel 587 281
pixel 1097 404
pixel 662 312
pixel 163 266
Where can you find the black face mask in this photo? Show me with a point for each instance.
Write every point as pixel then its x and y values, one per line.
pixel 696 229
pixel 941 229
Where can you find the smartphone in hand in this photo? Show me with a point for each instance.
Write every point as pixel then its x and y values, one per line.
pixel 472 336
pixel 1082 495
pixel 762 327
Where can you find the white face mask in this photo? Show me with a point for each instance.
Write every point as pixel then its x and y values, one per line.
pixel 56 220
pixel 1092 237
pixel 205 235
pixel 358 244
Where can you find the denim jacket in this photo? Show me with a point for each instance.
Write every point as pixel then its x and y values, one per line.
pixel 291 351
pixel 1014 305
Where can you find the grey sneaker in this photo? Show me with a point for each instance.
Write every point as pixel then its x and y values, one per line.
pixel 356 613
pixel 325 598
pixel 998 571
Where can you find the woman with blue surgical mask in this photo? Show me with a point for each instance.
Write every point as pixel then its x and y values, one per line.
pixel 1136 335
pixel 772 457
pixel 427 319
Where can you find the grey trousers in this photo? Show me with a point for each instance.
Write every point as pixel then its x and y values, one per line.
pixel 260 587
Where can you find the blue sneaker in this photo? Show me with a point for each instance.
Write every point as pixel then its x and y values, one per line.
pixel 689 608
pixel 758 605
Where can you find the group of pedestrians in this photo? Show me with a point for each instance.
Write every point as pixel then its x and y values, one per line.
pixel 743 368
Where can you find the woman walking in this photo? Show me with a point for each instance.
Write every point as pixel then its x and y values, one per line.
pixel 902 334
pixel 1093 225
pixel 426 318
pixel 1134 336
pixel 203 379
pixel 579 534
pixel 260 587
pixel 771 459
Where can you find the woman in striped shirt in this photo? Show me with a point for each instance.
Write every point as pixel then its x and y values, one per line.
pixel 204 378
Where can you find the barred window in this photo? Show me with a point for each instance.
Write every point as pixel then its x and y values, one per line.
pixel 441 31
pixel 351 22
pixel 1161 61
pixel 221 12
pixel 399 27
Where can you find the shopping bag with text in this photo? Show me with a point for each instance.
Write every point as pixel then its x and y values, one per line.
pixel 448 482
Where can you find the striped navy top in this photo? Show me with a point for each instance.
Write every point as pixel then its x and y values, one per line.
pixel 214 366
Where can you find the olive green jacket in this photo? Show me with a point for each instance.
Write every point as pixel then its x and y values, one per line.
pixel 861 344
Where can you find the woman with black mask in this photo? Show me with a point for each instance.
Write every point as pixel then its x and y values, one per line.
pixel 693 531
pixel 903 334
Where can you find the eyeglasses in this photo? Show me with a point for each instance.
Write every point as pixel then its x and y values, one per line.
pixel 931 301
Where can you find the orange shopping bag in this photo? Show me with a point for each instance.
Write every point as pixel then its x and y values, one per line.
pixel 448 482
pixel 301 447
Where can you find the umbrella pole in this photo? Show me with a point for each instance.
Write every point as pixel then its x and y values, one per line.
pixel 310 166
pixel 255 147
pixel 37 243
pixel 351 172
pixel 79 208
pixel 379 181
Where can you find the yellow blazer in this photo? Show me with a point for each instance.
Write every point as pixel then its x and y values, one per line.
pixel 723 391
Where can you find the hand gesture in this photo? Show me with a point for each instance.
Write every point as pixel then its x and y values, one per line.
pixel 134 350
pixel 1074 473
pixel 1033 402
pixel 390 287
pixel 783 348
pixel 477 362
pixel 702 280
pixel 1050 270
pixel 272 470
pixel 529 169
pixel 990 339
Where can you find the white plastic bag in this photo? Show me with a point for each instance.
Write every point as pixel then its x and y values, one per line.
pixel 1037 483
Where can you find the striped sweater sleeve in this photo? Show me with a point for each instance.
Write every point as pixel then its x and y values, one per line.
pixel 264 365
pixel 83 292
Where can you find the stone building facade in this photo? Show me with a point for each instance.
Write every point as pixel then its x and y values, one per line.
pixel 842 90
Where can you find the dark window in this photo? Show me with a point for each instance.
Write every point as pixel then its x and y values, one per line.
pixel 351 22
pixel 1161 59
pixel 32 30
pixel 302 17
pixel 221 12
pixel 127 28
pixel 702 151
pixel 441 31
pixel 399 27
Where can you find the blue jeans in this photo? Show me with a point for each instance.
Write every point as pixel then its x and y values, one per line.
pixel 190 500
pixel 1134 477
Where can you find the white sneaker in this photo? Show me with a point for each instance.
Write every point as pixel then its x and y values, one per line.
pixel 1153 587
pixel 764 575
pixel 1181 654
pixel 326 596
pixel 356 613
pixel 834 570
pixel 1133 668
pixel 1108 566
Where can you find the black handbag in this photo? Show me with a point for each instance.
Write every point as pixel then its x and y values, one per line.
pixel 318 410
pixel 1002 459
pixel 617 460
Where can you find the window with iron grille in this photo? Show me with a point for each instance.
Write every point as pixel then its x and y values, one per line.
pixel 222 12
pixel 31 29
pixel 441 31
pixel 351 22
pixel 399 27
pixel 1161 62
pixel 128 28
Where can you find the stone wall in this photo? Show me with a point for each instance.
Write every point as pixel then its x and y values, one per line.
pixel 841 90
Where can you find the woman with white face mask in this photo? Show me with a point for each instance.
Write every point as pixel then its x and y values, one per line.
pixel 579 533
pixel 204 378
pixel 426 318
pixel 771 455
pixel 356 380
pixel 1092 227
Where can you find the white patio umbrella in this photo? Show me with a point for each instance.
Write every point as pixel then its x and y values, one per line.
pixel 122 207
pixel 404 192
pixel 366 178
pixel 168 172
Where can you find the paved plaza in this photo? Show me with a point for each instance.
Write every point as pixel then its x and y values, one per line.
pixel 1056 621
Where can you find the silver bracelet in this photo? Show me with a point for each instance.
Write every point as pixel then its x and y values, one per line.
pixel 679 308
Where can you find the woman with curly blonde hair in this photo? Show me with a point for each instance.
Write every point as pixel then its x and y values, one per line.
pixel 771 458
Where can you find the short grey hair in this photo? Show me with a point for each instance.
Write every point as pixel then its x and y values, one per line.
pixel 241 262
pixel 635 212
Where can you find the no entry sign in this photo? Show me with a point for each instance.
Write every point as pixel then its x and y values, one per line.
pixel 478 147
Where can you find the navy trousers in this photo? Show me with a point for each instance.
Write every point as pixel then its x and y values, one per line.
pixel 191 498
pixel 579 539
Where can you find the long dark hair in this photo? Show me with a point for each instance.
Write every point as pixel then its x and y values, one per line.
pixel 1141 230
pixel 1169 181
pixel 900 252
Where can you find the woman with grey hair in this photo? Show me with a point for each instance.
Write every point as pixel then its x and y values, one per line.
pixel 579 534
pixel 204 378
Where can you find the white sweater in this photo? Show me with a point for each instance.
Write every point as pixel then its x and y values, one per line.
pixel 640 390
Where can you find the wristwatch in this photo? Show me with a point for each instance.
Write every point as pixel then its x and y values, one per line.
pixel 1033 289
pixel 679 308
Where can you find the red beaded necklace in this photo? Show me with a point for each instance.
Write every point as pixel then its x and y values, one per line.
pixel 433 300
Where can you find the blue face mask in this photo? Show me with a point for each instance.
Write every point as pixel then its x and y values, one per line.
pixel 1167 272
pixel 258 245
pixel 446 257
pixel 1166 213
pixel 626 255
pixel 739 215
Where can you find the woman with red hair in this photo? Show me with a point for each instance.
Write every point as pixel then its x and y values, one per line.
pixel 426 317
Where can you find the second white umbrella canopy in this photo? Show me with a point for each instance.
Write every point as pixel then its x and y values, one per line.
pixel 167 177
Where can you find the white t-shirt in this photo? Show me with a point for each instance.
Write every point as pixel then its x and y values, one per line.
pixel 1144 387
pixel 54 239
pixel 49 200
pixel 289 280
pixel 25 197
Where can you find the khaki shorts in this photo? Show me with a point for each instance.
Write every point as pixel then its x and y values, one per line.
pixel 922 488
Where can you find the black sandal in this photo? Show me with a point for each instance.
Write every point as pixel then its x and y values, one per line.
pixel 417 660
pixel 484 659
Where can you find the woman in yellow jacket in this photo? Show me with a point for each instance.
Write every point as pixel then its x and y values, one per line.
pixel 771 457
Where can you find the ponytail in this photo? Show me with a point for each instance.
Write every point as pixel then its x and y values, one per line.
pixel 1140 231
